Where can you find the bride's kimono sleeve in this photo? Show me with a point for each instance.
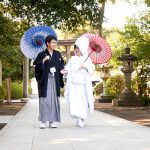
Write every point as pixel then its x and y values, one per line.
pixel 39 68
pixel 66 93
pixel 88 80
pixel 68 67
pixel 89 66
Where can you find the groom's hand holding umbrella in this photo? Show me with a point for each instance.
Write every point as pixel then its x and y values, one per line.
pixel 46 58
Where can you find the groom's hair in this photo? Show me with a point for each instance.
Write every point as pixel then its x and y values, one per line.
pixel 49 38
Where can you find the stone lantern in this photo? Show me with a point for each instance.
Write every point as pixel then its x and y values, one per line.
pixel 127 96
pixel 105 75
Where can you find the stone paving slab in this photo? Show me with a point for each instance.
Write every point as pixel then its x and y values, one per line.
pixel 102 132
pixel 5 119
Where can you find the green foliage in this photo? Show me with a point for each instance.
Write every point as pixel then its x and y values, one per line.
pixel 136 36
pixel 10 54
pixel 62 91
pixel 76 33
pixel 16 90
pixel 2 93
pixel 115 85
pixel 145 99
pixel 143 76
pixel 134 84
pixel 98 88
pixel 117 44
pixel 66 14
pixel 137 33
pixel 147 2
pixel 29 90
pixel 31 72
pixel 11 63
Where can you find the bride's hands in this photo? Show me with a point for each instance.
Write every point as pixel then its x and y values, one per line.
pixel 82 66
pixel 63 71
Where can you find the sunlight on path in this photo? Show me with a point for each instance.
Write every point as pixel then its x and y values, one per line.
pixel 34 86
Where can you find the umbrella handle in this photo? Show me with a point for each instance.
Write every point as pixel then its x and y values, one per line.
pixel 87 57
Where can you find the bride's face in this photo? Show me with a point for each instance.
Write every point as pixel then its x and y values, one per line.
pixel 77 51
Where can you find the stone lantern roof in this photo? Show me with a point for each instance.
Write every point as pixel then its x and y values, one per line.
pixel 127 56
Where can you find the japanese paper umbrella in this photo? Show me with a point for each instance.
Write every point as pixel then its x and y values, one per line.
pixel 33 40
pixel 99 50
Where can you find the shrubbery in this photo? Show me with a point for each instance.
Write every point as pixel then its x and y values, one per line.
pixel 16 90
pixel 29 90
pixel 2 93
pixel 98 88
pixel 115 85
pixel 145 99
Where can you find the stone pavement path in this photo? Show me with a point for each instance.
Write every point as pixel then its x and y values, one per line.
pixel 102 132
pixel 139 115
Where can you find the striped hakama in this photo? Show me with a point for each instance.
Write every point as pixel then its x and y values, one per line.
pixel 49 107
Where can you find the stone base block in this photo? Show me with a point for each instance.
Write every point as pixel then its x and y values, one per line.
pixel 130 103
pixel 105 99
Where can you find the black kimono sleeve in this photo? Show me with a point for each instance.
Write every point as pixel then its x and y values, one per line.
pixel 39 68
pixel 61 75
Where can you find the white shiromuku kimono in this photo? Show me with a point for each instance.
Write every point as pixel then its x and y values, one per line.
pixel 78 90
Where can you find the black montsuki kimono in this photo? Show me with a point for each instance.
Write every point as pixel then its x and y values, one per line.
pixel 42 70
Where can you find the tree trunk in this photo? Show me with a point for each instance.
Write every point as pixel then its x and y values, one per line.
pixel 101 13
pixel 25 76
pixel 0 73
pixel 8 90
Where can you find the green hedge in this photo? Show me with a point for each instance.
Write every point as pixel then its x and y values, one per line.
pixel 2 93
pixel 145 99
pixel 16 90
pixel 115 85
